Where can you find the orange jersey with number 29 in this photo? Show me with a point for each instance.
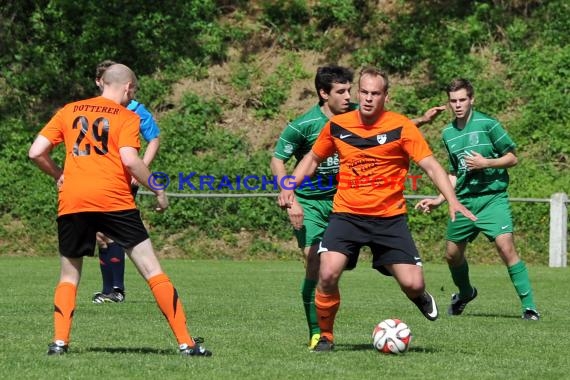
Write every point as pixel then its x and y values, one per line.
pixel 93 131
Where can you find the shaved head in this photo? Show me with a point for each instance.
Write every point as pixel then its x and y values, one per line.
pixel 119 83
pixel 119 74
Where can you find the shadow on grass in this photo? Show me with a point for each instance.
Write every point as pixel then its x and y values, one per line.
pixel 130 350
pixel 494 315
pixel 368 347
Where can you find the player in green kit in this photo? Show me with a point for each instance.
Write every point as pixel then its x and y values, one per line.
pixel 309 213
pixel 480 151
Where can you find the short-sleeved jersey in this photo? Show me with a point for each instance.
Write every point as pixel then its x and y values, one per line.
pixel 374 161
pixel 486 136
pixel 149 128
pixel 93 131
pixel 296 140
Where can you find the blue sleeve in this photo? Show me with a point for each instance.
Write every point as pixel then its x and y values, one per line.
pixel 149 128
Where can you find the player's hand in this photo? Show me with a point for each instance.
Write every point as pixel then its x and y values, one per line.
pixel 474 161
pixel 162 201
pixel 285 198
pixel 455 207
pixel 296 215
pixel 432 113
pixel 59 182
pixel 426 205
pixel 134 182
pixel 102 240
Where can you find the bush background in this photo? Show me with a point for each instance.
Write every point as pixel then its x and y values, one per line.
pixel 224 77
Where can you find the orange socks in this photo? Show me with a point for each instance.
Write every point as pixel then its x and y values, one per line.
pixel 327 307
pixel 166 297
pixel 64 307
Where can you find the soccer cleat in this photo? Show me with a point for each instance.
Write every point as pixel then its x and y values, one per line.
pixel 458 305
pixel 324 345
pixel 531 315
pixel 116 296
pixel 428 307
pixel 57 348
pixel 314 341
pixel 197 350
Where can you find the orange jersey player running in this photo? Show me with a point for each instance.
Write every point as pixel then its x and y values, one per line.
pixel 374 147
pixel 101 154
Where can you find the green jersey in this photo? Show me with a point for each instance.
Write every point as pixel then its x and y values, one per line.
pixel 297 140
pixel 486 136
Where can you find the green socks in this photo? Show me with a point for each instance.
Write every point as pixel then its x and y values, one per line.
pixel 308 293
pixel 521 281
pixel 460 276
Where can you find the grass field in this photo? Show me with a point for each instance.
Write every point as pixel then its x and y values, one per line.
pixel 251 317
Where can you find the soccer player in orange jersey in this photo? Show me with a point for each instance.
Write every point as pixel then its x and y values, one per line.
pixel 101 140
pixel 374 147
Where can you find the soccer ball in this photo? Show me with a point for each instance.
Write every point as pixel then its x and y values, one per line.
pixel 391 336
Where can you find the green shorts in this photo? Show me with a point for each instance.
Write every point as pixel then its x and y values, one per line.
pixel 315 220
pixel 493 214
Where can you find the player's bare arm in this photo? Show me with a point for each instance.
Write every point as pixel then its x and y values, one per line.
pixel 426 205
pixel 40 153
pixel 306 167
pixel 439 177
pixel 137 168
pixel 295 211
pixel 428 116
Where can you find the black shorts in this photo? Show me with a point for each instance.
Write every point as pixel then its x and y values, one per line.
pixel 76 232
pixel 389 239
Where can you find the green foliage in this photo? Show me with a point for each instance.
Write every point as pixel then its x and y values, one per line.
pixel 54 46
pixel 516 53
pixel 277 85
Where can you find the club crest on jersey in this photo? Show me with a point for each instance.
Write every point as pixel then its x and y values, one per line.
pixel 381 138
pixel 288 148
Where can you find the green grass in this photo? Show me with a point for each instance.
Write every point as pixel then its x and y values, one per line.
pixel 251 316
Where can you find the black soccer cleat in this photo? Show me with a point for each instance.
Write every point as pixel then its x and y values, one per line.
pixel 197 350
pixel 57 349
pixel 324 345
pixel 428 307
pixel 116 296
pixel 458 305
pixel 531 315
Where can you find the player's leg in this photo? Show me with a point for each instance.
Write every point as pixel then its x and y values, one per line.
pixel 410 277
pixel 315 219
pixel 518 274
pixel 116 255
pixel 126 229
pixel 499 228
pixel 106 271
pixel 327 296
pixel 308 289
pixel 394 253
pixel 64 303
pixel 166 296
pixel 76 240
pixel 459 233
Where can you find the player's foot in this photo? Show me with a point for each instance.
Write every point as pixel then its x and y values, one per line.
pixel 118 295
pixel 324 345
pixel 458 304
pixel 197 350
pixel 57 348
pixel 314 341
pixel 531 315
pixel 115 296
pixel 428 307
